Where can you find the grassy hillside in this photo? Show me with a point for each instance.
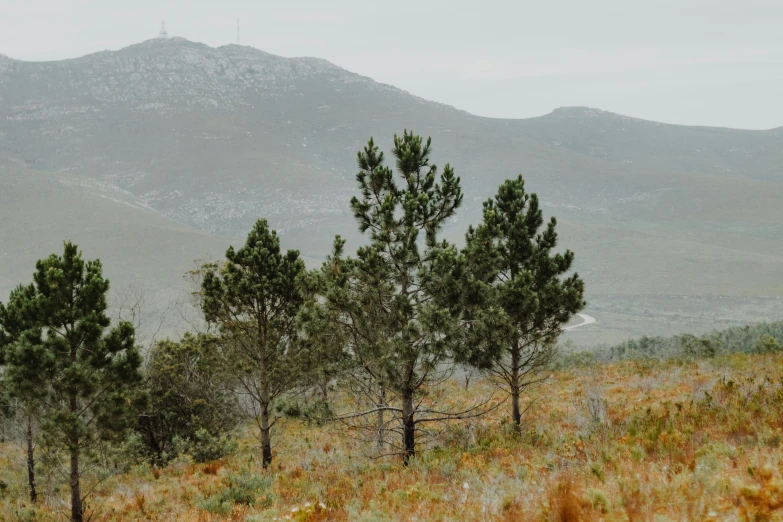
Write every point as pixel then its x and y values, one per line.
pixel 683 440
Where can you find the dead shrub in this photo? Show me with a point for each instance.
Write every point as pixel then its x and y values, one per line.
pixel 212 468
pixel 566 505
pixel 759 501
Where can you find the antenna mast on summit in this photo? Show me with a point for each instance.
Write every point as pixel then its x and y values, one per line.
pixel 163 35
pixel 237 31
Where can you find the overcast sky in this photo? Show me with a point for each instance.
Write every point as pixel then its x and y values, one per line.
pixel 697 62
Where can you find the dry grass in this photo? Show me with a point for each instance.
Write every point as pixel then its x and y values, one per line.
pixel 624 442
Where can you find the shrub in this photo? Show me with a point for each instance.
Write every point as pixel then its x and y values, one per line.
pixel 699 348
pixel 215 505
pixel 203 447
pixel 766 344
pixel 190 406
pixel 132 451
pixel 311 411
pixel 246 489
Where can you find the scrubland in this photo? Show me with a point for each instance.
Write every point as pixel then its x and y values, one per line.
pixel 635 440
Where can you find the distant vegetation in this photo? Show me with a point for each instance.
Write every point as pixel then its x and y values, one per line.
pixel 757 338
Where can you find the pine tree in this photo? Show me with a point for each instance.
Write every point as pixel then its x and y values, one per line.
pixel 320 333
pixel 85 375
pixel 19 330
pixel 357 295
pixel 510 252
pixel 254 297
pixel 402 333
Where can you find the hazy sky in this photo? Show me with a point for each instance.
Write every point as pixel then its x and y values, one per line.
pixel 700 62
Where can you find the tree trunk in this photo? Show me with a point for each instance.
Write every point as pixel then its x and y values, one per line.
pixel 77 514
pixel 516 416
pixel 266 443
pixel 408 424
pixel 77 511
pixel 381 403
pixel 264 398
pixel 408 428
pixel 31 461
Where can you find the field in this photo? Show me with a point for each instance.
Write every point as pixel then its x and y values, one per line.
pixel 635 440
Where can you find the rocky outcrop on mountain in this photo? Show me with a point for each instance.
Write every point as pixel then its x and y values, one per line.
pixel 164 76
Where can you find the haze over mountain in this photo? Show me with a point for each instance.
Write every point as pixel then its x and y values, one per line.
pixel 156 153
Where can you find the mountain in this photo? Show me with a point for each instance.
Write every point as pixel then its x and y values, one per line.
pixel 663 218
pixel 144 254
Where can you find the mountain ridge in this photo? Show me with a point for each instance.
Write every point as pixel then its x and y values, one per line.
pixel 153 43
pixel 214 138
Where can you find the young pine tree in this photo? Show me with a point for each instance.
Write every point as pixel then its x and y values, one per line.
pixel 510 252
pixel 358 294
pixel 254 298
pixel 22 398
pixel 85 376
pixel 401 332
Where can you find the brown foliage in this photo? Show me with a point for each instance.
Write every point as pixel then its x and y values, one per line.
pixel 759 501
pixel 566 505
pixel 212 468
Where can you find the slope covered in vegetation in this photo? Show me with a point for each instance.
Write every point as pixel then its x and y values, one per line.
pixel 684 439
pixel 412 379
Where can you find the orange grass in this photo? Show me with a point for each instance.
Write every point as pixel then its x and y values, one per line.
pixel 622 442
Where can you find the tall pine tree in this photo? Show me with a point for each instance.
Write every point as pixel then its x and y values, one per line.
pixel 401 331
pixel 84 374
pixel 511 252
pixel 254 297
